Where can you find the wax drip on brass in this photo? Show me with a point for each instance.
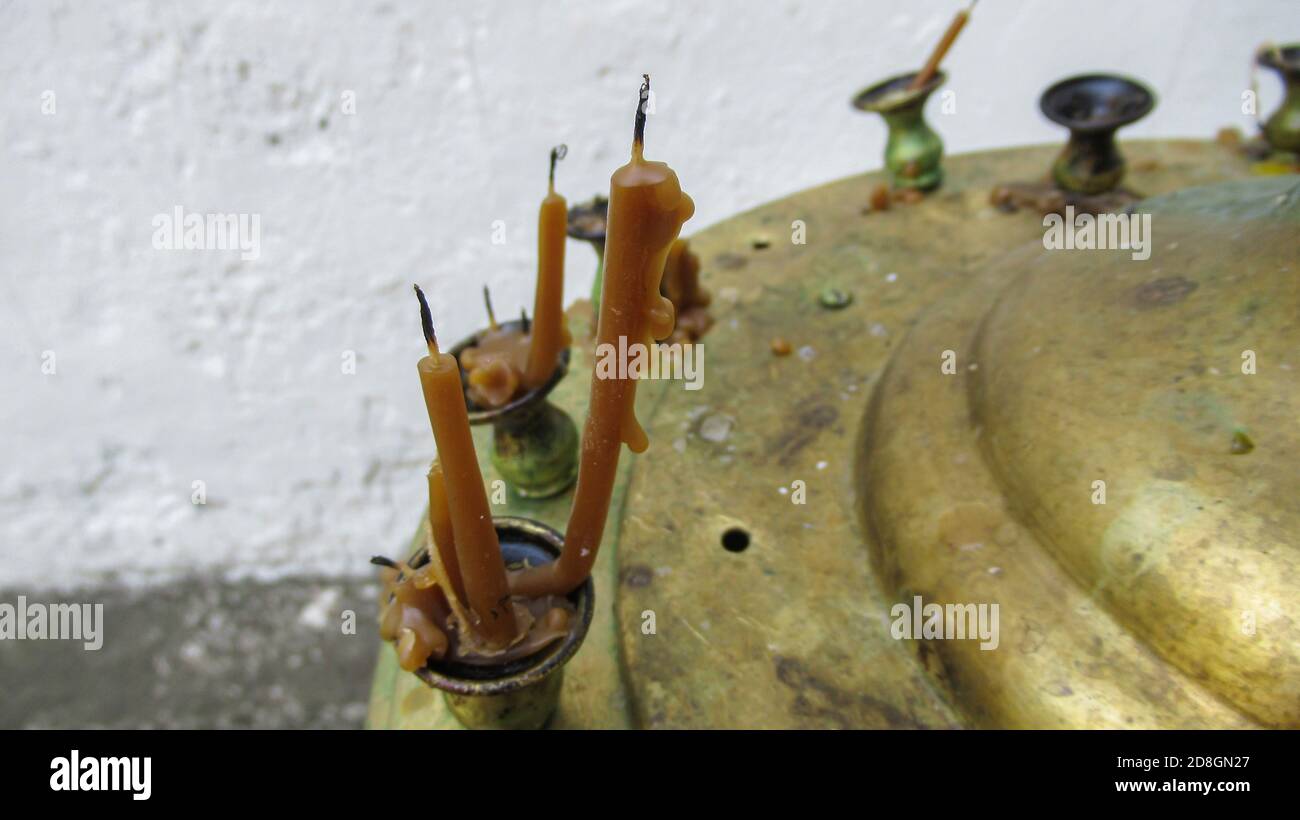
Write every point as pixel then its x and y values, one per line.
pixel 1048 198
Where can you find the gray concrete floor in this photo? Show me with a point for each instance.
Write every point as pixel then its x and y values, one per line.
pixel 200 655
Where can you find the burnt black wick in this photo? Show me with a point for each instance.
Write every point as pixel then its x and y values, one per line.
pixel 558 153
pixel 426 318
pixel 487 303
pixel 638 133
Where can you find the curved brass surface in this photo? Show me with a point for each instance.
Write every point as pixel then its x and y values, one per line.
pixel 901 497
pixel 1174 602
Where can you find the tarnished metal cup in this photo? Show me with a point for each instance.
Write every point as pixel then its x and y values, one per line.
pixel 525 693
pixel 1093 107
pixel 587 222
pixel 534 443
pixel 914 152
pixel 1282 129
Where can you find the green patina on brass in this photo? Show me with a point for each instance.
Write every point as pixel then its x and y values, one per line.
pixel 973 488
pixel 1282 130
pixel 833 298
pixel 534 443
pixel 536 449
pixel 913 152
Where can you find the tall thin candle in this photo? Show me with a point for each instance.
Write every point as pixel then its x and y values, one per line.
pixel 549 335
pixel 646 210
pixel 941 50
pixel 477 551
pixel 441 530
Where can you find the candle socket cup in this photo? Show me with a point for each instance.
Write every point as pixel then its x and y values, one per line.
pixel 534 443
pixel 521 694
pixel 1093 107
pixel 913 152
pixel 1282 129
pixel 587 223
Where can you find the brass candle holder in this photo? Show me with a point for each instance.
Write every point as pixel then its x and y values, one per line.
pixel 1282 129
pixel 521 694
pixel 534 443
pixel 913 152
pixel 587 223
pixel 1093 107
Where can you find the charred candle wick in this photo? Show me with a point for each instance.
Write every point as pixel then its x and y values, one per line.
pixel 638 133
pixel 558 153
pixel 487 303
pixel 426 318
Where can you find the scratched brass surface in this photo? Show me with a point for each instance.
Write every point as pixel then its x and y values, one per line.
pixel 794 630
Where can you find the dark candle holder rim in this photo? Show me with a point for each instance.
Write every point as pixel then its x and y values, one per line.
pixel 1049 103
pixel 868 99
pixel 488 679
pixel 487 415
pixel 598 205
pixel 1290 52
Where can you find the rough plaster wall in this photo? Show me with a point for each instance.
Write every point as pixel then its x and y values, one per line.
pixel 180 366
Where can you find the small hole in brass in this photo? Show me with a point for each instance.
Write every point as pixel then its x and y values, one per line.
pixel 735 540
pixel 760 243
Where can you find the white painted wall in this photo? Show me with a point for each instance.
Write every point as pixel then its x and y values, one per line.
pixel 181 366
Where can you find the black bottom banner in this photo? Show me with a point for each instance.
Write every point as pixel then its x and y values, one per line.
pixel 210 769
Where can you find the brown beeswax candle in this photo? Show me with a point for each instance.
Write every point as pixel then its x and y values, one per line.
pixel 646 210
pixel 941 50
pixel 478 553
pixel 549 335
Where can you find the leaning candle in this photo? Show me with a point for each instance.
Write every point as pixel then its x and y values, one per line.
pixel 941 50
pixel 646 210
pixel 478 552
pixel 441 531
pixel 549 335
